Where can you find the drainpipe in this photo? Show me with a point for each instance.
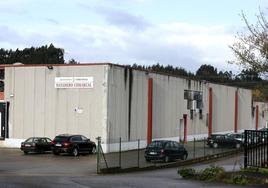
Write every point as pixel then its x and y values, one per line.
pixel 185 128
pixel 210 112
pixel 236 111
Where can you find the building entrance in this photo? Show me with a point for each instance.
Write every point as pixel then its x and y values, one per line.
pixel 4 106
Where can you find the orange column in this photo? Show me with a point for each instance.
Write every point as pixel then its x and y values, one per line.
pixel 210 112
pixel 2 96
pixel 150 110
pixel 257 117
pixel 236 111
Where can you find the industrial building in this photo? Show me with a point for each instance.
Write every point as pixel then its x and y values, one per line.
pixel 113 101
pixel 260 115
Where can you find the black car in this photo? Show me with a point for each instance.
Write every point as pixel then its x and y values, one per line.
pixel 72 144
pixel 36 144
pixel 237 136
pixel 225 140
pixel 261 136
pixel 165 150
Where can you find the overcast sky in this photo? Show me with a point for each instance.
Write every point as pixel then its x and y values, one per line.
pixel 184 33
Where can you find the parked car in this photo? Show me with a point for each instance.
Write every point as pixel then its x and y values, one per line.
pixel 165 150
pixel 262 136
pixel 72 144
pixel 225 140
pixel 237 136
pixel 36 144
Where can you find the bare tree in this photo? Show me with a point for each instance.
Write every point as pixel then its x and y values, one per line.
pixel 251 47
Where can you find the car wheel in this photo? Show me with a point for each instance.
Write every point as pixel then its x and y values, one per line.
pixel 166 159
pixel 55 153
pixel 215 145
pixel 238 145
pixel 93 151
pixel 147 160
pixel 75 152
pixel 25 152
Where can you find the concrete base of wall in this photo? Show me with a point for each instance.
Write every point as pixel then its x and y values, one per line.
pixel 11 143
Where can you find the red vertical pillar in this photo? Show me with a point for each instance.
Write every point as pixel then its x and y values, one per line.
pixel 236 111
pixel 210 112
pixel 185 128
pixel 257 117
pixel 150 110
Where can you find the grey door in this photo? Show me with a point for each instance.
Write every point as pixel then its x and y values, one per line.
pixel 4 120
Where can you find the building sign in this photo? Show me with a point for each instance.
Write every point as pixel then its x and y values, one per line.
pixel 74 82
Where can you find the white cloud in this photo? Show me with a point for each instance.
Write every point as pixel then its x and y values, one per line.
pixel 178 44
pixel 14 6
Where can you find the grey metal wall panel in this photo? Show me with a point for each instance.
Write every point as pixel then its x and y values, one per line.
pixel 223 108
pixel 40 109
pixel 127 113
pixel 39 102
pixel 262 115
pixel 169 106
pixel 245 109
pixel 9 82
pixel 50 102
pixel 18 100
pixel 117 106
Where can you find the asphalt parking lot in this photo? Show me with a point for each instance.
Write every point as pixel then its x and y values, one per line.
pixel 15 162
pixel 135 158
pixel 46 170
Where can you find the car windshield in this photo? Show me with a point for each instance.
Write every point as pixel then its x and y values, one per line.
pixel 61 138
pixel 35 139
pixel 29 140
pixel 217 136
pixel 49 140
pixel 156 144
pixel 234 136
pixel 238 136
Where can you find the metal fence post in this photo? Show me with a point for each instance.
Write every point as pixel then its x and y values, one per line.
pixel 194 148
pixel 204 147
pixel 138 153
pixel 98 154
pixel 120 152
pixel 246 149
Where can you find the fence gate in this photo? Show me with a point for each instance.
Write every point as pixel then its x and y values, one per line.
pixel 256 148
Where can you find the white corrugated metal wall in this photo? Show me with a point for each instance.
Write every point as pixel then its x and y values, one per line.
pixel 128 98
pixel 262 115
pixel 37 108
pixel 117 106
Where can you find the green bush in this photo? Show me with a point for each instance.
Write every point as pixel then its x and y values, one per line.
pixel 263 171
pixel 187 172
pixel 239 180
pixel 211 173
